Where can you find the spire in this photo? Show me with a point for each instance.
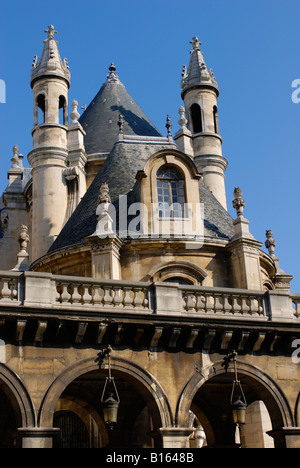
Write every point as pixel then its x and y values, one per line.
pixel 197 73
pixel 50 63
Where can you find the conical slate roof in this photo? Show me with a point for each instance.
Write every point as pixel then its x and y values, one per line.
pixel 100 120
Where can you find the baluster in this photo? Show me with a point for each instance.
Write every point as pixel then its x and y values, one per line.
pixel 253 305
pixel 260 306
pixel 87 297
pixel 107 298
pixel 6 291
pixel 297 307
pixel 145 303
pixel 66 295
pixel 128 298
pixel 77 294
pixel 219 303
pixel 137 300
pixel 236 307
pixel 227 303
pixel 200 303
pixel 98 296
pixel 118 298
pixel 245 305
pixel 209 302
pixel 190 301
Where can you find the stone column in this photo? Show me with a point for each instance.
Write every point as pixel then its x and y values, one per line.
pixel 286 437
pixel 245 257
pixel 174 437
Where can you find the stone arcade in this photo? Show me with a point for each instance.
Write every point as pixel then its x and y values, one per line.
pixel 75 279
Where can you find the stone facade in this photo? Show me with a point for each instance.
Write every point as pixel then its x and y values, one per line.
pixel 117 238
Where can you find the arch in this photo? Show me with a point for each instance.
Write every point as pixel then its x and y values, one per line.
pixel 196 116
pixel 40 110
pixel 216 120
pixel 273 397
pixel 147 386
pixel 181 269
pixel 63 110
pixel 174 158
pixel 18 396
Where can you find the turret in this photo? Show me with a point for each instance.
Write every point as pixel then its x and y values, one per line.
pixel 50 82
pixel 200 95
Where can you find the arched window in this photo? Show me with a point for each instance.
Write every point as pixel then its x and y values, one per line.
pixel 63 111
pixel 196 115
pixel 170 192
pixel 216 119
pixel 41 110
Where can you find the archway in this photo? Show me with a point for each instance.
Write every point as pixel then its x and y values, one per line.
pixel 208 394
pixel 16 409
pixel 143 408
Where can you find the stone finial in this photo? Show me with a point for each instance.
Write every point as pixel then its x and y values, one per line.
pixel 169 125
pixel 105 222
pixel 50 31
pixel 238 203
pixel 104 196
pixel 112 77
pixel 270 243
pixel 183 120
pixel 121 124
pixel 75 114
pixel 15 158
pixel 24 238
pixel 195 43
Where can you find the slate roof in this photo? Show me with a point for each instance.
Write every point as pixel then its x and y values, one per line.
pixel 119 172
pixel 100 120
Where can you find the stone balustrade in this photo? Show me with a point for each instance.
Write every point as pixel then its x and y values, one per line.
pixel 10 287
pixel 220 302
pixel 91 293
pixel 44 290
pixel 296 302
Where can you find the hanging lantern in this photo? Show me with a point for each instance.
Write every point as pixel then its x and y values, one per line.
pixel 238 403
pixel 110 400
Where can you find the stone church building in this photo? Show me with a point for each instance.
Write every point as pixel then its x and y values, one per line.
pixel 134 311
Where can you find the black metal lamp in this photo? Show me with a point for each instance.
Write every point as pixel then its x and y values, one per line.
pixel 238 403
pixel 110 400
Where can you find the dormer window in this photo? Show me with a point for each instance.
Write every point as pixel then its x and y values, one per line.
pixel 170 192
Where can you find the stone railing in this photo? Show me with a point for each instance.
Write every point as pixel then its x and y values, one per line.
pixel 10 287
pixel 77 295
pixel 73 292
pixel 220 302
pixel 296 302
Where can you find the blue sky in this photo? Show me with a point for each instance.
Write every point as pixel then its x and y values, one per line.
pixel 253 48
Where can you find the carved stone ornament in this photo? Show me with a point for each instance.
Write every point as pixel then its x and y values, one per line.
pixel 238 202
pixel 74 114
pixel 24 238
pixel 270 243
pixel 104 196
